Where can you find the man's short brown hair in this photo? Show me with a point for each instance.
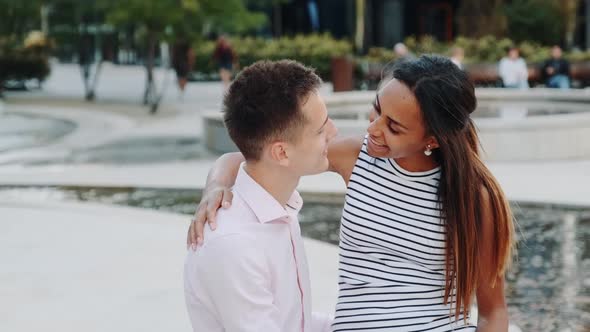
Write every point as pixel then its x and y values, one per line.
pixel 264 104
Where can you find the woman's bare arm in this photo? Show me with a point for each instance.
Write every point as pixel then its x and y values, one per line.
pixel 216 193
pixel 491 303
pixel 342 154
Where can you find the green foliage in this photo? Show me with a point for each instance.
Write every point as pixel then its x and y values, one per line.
pixel 488 49
pixel 230 16
pixel 379 55
pixel 155 15
pixel 578 56
pixel 190 18
pixel 316 51
pixel 21 63
pixel 18 17
pixel 425 45
pixel 537 20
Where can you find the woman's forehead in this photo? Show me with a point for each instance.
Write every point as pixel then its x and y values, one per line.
pixel 396 99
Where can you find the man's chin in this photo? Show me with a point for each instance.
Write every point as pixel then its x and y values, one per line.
pixel 321 169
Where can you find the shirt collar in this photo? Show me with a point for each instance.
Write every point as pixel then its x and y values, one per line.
pixel 263 204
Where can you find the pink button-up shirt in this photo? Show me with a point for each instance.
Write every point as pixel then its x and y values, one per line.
pixel 251 273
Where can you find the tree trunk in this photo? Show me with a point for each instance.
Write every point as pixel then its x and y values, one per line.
pixel 45 8
pixel 359 37
pixel 150 97
pixel 278 20
pixel 149 93
pixel 570 14
pixel 85 72
pixel 588 24
pixel 90 79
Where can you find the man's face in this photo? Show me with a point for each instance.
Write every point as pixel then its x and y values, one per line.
pixel 513 54
pixel 308 154
pixel 556 52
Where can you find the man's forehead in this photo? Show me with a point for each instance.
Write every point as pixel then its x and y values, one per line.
pixel 314 104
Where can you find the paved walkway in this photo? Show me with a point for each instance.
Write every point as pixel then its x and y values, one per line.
pixel 86 267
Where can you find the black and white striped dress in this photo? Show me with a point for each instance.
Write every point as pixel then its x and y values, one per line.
pixel 392 252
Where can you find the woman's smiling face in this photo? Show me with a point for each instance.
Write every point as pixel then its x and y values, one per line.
pixel 396 128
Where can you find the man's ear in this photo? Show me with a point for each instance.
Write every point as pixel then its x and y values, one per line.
pixel 279 153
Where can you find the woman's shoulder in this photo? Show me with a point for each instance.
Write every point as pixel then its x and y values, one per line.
pixel 343 153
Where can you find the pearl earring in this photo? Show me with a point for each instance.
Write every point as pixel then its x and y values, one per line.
pixel 428 152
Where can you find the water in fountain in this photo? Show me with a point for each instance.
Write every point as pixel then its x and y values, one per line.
pixel 19 131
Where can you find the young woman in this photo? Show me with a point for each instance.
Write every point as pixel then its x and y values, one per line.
pixel 425 228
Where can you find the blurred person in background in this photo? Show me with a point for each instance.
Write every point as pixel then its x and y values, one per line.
pixel 183 59
pixel 225 58
pixel 457 56
pixel 513 70
pixel 402 53
pixel 556 70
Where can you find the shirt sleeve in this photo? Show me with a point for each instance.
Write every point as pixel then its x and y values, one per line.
pixel 237 278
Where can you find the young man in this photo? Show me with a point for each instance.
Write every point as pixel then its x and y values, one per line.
pixel 251 273
pixel 556 70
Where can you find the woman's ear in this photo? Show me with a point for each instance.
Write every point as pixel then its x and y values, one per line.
pixel 432 142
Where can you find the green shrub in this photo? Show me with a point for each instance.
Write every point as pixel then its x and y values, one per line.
pixel 578 56
pixel 537 20
pixel 488 49
pixel 316 51
pixel 20 63
pixel 22 66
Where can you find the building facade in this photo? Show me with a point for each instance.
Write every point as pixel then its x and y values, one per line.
pixel 386 22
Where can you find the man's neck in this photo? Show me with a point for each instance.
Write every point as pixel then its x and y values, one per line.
pixel 278 183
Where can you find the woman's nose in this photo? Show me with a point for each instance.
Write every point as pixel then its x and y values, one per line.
pixel 373 128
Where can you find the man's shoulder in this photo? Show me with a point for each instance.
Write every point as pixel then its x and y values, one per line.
pixel 226 247
pixel 234 218
pixel 235 225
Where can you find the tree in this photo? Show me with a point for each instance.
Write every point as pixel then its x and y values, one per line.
pixel 569 13
pixel 477 18
pixel 19 17
pixel 537 20
pixel 545 21
pixel 275 7
pixel 154 16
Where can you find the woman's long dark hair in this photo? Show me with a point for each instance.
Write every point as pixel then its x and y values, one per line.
pixel 447 98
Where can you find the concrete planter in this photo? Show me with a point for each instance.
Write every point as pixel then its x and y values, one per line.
pixel 342 73
pixel 512 135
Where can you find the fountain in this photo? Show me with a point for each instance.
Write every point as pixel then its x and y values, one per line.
pixel 23 131
pixel 539 124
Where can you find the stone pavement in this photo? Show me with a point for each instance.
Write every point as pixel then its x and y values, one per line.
pixel 89 267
